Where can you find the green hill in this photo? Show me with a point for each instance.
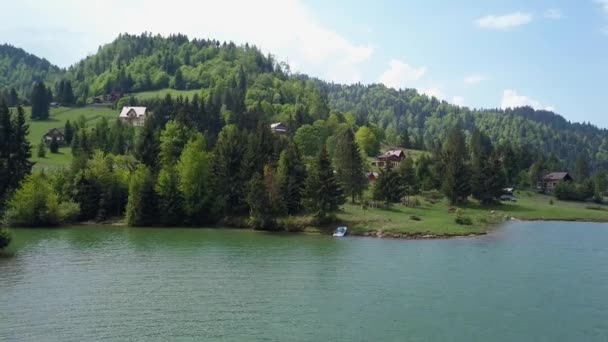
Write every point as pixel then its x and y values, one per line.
pixel 153 66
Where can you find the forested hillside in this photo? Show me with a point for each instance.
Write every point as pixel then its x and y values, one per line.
pixel 20 70
pixel 226 73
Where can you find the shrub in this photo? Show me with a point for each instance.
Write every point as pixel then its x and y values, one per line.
pixel 5 238
pixel 415 218
pixel 41 150
pixel 463 219
pixel 550 202
pixel 35 203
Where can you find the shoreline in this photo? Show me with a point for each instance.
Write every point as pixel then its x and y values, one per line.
pixel 313 230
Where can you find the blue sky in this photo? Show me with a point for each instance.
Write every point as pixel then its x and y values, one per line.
pixel 547 54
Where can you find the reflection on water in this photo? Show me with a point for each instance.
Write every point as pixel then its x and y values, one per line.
pixel 526 281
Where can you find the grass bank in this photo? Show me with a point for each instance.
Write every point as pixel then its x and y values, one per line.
pixel 437 220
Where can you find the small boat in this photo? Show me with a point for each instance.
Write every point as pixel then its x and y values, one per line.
pixel 341 231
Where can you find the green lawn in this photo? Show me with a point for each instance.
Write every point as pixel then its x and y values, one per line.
pixel 163 92
pixel 57 118
pixel 436 219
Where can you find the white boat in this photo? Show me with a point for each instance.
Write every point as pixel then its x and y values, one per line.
pixel 341 231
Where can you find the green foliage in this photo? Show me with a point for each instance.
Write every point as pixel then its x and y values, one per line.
pixel 40 102
pixel 487 173
pixel 54 145
pixel 571 191
pixel 292 177
pixel 141 206
pixel 463 219
pixel 349 165
pixel 388 187
pixel 260 208
pixel 5 238
pixel 15 151
pixel 35 204
pixel 41 150
pixel 18 68
pixel 368 141
pixel 194 181
pixel 147 146
pixel 309 140
pixel 456 185
pixel 323 193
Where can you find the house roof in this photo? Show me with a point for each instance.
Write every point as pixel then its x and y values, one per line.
pixel 557 176
pixel 391 154
pixel 372 173
pixel 277 124
pixel 54 131
pixel 139 111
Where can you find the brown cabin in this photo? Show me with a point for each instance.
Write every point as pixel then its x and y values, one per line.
pixel 392 156
pixel 551 180
pixel 54 133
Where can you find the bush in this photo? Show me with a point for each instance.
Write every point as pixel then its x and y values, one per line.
pixel 550 202
pixel 5 238
pixel 41 150
pixel 35 203
pixel 415 218
pixel 463 219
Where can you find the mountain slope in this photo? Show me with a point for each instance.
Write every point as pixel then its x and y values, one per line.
pixel 19 69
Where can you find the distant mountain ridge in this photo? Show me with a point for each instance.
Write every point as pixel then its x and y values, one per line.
pixel 135 63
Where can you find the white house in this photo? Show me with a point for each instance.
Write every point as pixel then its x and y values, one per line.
pixel 135 116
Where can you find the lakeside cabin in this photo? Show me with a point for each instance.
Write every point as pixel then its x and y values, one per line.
pixel 56 133
pixel 278 128
pixel 551 180
pixel 395 157
pixel 135 116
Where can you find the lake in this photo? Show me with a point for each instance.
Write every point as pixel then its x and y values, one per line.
pixel 542 281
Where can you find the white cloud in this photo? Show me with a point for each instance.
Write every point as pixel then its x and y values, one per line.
pixel 603 4
pixel 510 99
pixel 504 22
pixel 296 36
pixel 474 79
pixel 458 100
pixel 401 75
pixel 553 13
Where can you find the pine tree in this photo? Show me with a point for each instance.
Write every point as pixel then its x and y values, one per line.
pixel 40 102
pixel 407 175
pixel 456 185
pixel 388 187
pixel 227 170
pixel 292 175
pixel 323 192
pixel 481 148
pixel 259 204
pixel 5 151
pixel 349 165
pixel 68 132
pixel 41 150
pixel 147 147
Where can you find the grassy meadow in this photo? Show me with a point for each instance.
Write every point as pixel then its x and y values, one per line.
pixel 57 119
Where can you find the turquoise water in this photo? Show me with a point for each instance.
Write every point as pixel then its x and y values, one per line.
pixel 525 282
